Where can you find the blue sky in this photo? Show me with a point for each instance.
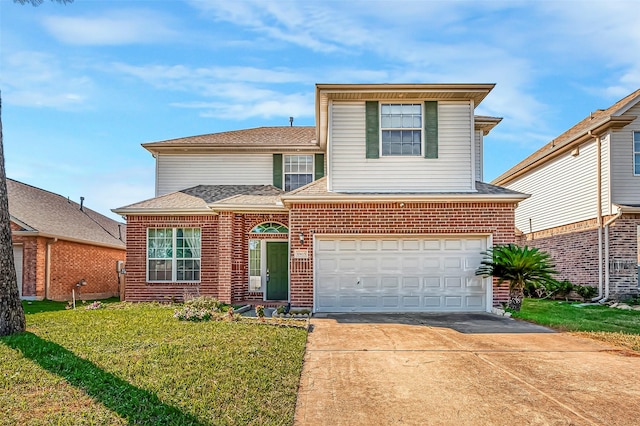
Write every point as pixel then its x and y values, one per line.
pixel 83 85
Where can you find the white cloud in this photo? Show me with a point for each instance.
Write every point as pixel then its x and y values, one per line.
pixel 111 28
pixel 37 79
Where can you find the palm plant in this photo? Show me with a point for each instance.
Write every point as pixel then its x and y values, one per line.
pixel 520 266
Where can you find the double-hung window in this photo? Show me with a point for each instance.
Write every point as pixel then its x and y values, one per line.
pixel 401 129
pixel 173 254
pixel 298 171
pixel 636 153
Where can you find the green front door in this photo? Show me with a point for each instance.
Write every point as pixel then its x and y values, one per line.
pixel 277 270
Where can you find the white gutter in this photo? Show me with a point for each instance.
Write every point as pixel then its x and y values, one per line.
pixel 251 208
pixel 418 198
pixel 599 212
pixel 65 238
pixel 160 212
pixel 606 255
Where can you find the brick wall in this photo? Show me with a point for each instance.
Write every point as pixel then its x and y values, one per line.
pixel 72 262
pixel 574 249
pixel 33 264
pixel 224 257
pixel 496 219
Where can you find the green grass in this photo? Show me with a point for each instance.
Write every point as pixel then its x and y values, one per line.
pixel 569 317
pixel 615 326
pixel 37 306
pixel 138 365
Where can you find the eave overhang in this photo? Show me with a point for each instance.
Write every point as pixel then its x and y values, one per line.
pixel 413 198
pixel 162 212
pixel 65 238
pixel 371 92
pixel 218 149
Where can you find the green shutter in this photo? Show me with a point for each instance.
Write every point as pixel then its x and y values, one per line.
pixel 318 166
pixel 277 170
pixel 372 118
pixel 431 129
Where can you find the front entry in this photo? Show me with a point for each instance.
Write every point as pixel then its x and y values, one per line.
pixel 277 270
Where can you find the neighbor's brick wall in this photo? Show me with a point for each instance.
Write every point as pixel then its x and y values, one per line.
pixel 72 262
pixel 496 219
pixel 623 256
pixel 33 264
pixel 574 249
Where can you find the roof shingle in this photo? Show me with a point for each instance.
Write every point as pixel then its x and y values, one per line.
pixel 55 215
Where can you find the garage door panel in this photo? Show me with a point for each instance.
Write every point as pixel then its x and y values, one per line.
pixel 399 274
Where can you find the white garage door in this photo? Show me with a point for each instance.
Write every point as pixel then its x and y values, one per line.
pixel 399 274
pixel 17 258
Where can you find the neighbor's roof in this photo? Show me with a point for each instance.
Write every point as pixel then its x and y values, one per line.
pixel 53 215
pixel 204 199
pixel 596 122
pixel 285 137
pixel 317 191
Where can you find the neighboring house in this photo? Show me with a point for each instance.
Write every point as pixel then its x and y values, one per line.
pixel 585 202
pixel 58 243
pixel 379 208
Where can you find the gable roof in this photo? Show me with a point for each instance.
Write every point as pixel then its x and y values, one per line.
pixel 205 199
pixel 596 123
pixel 280 137
pixel 45 213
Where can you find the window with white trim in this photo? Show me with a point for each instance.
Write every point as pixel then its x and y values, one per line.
pixel 298 171
pixel 255 265
pixel 173 254
pixel 636 153
pixel 401 129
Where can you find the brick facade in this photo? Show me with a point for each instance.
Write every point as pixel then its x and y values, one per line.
pixel 574 249
pixel 495 219
pixel 225 237
pixel 69 263
pixel 224 256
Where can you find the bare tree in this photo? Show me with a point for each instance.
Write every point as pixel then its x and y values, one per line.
pixel 11 312
pixel 39 2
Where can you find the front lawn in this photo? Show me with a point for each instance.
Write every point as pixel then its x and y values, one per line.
pixel 37 306
pixel 137 364
pixel 615 326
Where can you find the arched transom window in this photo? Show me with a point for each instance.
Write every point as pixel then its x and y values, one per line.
pixel 270 228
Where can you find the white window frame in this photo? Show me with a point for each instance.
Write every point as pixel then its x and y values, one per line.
pixel 285 173
pixel 420 129
pixel 262 268
pixel 636 152
pixel 174 259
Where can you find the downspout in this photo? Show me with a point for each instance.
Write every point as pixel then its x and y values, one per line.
pixel 599 212
pixel 606 254
pixel 47 268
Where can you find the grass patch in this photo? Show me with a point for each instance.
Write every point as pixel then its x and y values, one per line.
pixel 136 364
pixel 38 306
pixel 614 326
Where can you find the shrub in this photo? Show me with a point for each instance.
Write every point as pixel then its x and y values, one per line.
pixel 95 305
pixel 207 303
pixel 586 291
pixel 190 313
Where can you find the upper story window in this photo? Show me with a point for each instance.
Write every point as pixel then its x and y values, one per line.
pixel 173 254
pixel 636 153
pixel 298 171
pixel 401 129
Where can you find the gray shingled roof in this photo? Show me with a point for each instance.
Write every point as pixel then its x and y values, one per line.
pixel 57 216
pixel 319 187
pixel 256 137
pixel 199 197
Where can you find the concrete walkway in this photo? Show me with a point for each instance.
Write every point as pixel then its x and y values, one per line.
pixel 476 369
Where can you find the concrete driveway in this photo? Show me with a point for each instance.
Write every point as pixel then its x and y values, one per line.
pixel 462 369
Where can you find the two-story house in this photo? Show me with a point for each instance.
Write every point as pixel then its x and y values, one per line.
pixel 380 207
pixel 585 203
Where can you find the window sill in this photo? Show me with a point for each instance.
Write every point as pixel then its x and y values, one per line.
pixel 189 283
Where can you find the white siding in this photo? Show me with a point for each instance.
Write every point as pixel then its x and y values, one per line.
pixel 564 191
pixel 176 172
pixel 626 186
pixel 350 170
pixel 478 154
